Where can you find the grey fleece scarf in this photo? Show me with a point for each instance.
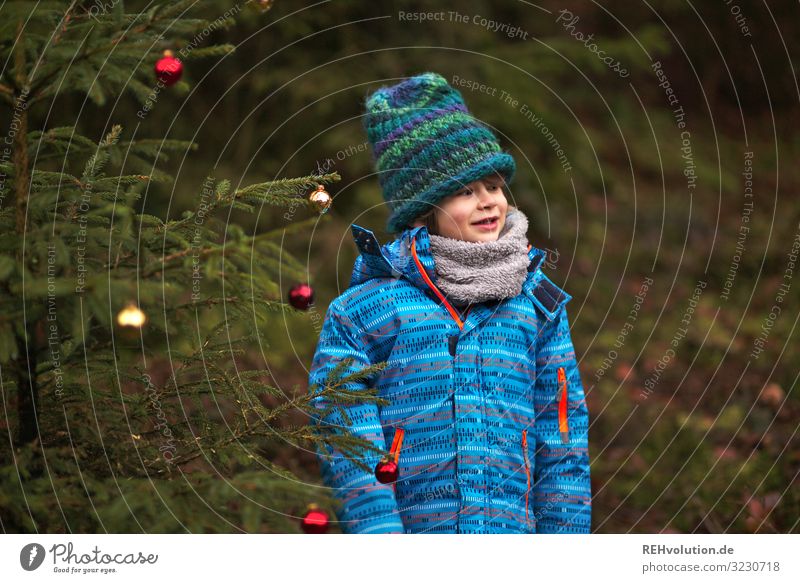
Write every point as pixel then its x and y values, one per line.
pixel 469 272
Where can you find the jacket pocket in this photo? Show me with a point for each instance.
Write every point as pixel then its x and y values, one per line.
pixel 527 471
pixel 563 405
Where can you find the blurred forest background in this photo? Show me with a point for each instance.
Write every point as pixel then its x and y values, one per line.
pixel 690 370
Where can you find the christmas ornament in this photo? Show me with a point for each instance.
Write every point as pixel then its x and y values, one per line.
pixel 168 69
pixel 301 296
pixel 131 316
pixel 387 469
pixel 259 6
pixel 315 520
pixel 321 199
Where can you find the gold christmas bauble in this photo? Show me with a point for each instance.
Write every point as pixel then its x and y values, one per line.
pixel 321 199
pixel 131 316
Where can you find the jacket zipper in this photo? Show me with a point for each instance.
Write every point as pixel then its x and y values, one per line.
pixel 563 405
pixel 453 340
pixel 424 274
pixel 527 471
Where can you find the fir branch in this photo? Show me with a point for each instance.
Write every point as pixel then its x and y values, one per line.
pixel 287 186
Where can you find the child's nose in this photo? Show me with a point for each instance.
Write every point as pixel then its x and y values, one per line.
pixel 485 198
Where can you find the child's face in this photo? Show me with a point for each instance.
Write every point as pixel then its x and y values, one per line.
pixel 458 215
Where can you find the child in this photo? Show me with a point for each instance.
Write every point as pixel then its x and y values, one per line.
pixel 486 423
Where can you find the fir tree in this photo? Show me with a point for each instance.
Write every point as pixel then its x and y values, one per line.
pixel 160 427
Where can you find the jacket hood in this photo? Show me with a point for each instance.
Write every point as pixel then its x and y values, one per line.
pixel 397 259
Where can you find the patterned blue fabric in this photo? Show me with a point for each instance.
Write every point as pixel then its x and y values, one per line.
pixel 477 399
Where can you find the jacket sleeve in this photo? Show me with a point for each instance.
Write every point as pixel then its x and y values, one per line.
pixel 561 489
pixel 367 505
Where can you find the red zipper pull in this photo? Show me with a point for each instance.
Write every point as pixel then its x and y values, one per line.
pixel 387 469
pixel 563 402
pixel 397 442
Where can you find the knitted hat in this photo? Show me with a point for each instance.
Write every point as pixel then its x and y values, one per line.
pixel 427 145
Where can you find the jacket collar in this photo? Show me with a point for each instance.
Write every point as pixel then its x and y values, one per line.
pixel 395 259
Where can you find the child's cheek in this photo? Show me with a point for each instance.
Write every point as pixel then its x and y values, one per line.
pixel 464 212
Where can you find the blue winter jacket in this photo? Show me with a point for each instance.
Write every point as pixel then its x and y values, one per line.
pixel 486 408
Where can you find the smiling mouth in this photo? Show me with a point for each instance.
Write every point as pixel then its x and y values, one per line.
pixel 489 221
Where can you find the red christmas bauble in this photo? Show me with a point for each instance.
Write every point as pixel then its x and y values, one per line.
pixel 169 69
pixel 301 296
pixel 315 521
pixel 386 471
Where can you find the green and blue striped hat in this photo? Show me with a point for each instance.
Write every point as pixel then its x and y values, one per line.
pixel 426 145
